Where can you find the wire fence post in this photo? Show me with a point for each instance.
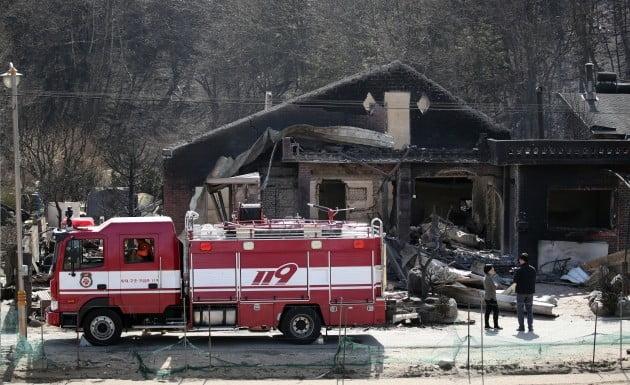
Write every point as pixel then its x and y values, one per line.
pixel 78 346
pixel 209 337
pixel 595 339
pixel 468 338
pixel 186 337
pixel 621 328
pixel 482 323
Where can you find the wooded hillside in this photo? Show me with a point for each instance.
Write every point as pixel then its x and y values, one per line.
pixel 109 83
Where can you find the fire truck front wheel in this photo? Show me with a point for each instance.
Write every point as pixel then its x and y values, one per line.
pixel 102 327
pixel 301 324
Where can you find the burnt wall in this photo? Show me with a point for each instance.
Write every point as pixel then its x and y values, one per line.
pixel 363 181
pixel 534 201
pixel 280 196
pixel 486 191
pixel 623 214
pixel 188 165
pixel 487 211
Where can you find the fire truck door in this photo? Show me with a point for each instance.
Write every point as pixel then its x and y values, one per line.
pixel 85 274
pixel 213 276
pixel 138 280
pixel 351 276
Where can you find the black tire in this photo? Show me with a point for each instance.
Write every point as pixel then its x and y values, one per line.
pixel 301 325
pixel 102 327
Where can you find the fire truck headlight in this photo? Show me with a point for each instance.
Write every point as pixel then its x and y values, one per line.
pixel 54 305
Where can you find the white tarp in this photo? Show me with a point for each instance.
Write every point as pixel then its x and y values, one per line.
pixel 576 275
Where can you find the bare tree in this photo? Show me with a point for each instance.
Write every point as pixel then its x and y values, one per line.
pixel 62 159
pixel 131 153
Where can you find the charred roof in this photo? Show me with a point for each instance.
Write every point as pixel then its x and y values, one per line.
pixel 448 122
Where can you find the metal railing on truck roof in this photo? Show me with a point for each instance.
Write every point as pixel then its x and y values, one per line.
pixel 285 229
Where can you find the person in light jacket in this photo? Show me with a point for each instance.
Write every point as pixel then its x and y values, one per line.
pixel 490 297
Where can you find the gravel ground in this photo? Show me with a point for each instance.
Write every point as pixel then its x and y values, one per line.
pixel 406 351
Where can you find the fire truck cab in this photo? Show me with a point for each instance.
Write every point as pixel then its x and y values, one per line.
pixel 101 284
pixel 293 275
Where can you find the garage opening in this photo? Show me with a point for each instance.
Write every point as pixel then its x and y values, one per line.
pixel 332 194
pixel 584 209
pixel 450 198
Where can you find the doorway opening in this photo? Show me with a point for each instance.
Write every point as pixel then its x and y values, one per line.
pixel 450 198
pixel 332 194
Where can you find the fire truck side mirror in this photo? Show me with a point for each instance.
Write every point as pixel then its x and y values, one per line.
pixel 73 254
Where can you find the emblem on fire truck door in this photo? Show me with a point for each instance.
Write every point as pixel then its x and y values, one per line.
pixel 86 280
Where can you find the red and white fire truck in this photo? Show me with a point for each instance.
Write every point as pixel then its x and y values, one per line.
pixel 294 275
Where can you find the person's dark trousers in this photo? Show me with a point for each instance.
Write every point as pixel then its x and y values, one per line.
pixel 492 307
pixel 524 303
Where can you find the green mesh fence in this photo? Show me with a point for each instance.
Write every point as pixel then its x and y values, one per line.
pixel 19 351
pixel 348 354
pixel 411 350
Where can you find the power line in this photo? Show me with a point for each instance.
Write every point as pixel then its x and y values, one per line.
pixel 310 103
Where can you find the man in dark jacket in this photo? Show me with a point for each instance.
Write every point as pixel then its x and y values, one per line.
pixel 525 279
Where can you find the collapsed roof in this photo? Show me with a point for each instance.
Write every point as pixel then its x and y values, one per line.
pixel 448 122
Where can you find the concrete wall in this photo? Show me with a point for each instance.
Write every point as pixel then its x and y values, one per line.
pixel 578 252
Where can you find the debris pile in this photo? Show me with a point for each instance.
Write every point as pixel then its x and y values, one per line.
pixel 446 261
pixel 457 247
pixel 609 284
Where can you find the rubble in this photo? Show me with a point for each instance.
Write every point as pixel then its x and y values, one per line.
pixel 465 295
pixel 613 261
pixel 449 261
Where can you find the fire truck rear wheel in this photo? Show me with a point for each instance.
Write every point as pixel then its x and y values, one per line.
pixel 301 324
pixel 102 327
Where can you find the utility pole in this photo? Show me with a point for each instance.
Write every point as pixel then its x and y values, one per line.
pixel 541 115
pixel 11 79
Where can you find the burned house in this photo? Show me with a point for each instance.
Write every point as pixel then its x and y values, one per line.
pixel 393 144
pixel 574 192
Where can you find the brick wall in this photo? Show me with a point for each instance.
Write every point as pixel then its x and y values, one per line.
pixel 280 194
pixel 305 171
pixel 176 200
pixel 623 215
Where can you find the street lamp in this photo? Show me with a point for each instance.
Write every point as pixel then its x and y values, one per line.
pixel 11 79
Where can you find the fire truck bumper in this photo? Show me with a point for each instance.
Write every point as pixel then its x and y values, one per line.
pixel 53 318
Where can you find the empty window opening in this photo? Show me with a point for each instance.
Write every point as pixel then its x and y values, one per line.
pixel 332 194
pixel 450 198
pixel 580 208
